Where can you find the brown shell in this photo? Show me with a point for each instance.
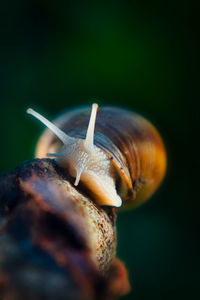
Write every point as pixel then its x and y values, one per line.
pixel 131 142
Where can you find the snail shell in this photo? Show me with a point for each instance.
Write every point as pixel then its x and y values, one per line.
pixel 131 144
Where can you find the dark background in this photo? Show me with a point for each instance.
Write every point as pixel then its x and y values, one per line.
pixel 139 55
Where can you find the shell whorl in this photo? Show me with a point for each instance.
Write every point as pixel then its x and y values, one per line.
pixel 131 142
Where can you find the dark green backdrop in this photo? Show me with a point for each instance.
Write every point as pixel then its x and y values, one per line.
pixel 142 56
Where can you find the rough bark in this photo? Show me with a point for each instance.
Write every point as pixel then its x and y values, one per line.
pixel 55 242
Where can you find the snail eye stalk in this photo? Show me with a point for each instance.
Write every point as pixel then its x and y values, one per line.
pixel 57 131
pixel 89 140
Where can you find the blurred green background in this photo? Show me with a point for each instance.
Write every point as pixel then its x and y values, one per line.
pixel 139 55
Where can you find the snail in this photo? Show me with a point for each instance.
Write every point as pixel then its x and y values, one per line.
pixel 117 155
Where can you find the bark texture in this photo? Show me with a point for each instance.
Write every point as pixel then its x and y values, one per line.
pixel 55 242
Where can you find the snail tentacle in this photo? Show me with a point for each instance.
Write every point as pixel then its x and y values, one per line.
pixel 89 140
pixel 57 131
pixel 53 154
pixel 72 148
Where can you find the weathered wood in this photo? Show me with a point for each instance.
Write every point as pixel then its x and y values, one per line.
pixel 55 242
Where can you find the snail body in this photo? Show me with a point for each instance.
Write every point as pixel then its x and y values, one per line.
pixel 119 156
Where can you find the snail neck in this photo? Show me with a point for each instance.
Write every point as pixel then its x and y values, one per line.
pixel 93 169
